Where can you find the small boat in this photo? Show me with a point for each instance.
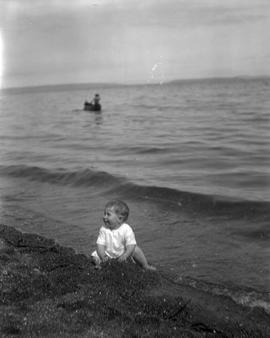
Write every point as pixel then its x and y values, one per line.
pixel 89 106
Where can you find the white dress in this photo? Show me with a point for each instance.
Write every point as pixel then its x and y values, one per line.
pixel 116 240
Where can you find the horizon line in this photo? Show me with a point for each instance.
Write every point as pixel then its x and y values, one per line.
pixel 108 84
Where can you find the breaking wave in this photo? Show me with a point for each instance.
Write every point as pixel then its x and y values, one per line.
pixel 190 201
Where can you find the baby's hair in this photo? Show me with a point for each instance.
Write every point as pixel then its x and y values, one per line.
pixel 119 207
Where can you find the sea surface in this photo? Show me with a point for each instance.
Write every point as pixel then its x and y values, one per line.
pixel 191 159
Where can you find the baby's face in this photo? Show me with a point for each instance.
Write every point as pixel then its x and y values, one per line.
pixel 111 219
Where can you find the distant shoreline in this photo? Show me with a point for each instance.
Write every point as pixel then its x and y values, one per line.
pixel 98 85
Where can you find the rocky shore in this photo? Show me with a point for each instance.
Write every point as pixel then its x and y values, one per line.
pixel 47 290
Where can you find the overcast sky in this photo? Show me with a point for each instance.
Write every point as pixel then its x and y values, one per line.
pixel 126 41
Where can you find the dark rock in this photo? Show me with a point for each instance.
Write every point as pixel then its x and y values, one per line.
pixel 50 291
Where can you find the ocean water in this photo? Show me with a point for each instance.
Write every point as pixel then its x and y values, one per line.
pixel 191 158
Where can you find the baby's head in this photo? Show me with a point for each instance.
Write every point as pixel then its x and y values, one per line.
pixel 120 208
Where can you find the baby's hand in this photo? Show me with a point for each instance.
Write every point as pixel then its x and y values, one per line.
pixel 122 258
pixel 104 259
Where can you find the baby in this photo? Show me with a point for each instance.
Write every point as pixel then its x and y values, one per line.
pixel 116 239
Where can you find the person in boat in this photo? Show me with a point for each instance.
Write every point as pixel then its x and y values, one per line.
pixel 93 105
pixel 96 101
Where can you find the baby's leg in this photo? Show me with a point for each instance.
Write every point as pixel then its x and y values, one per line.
pixel 140 258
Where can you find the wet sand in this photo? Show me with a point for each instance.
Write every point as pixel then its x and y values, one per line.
pixel 50 291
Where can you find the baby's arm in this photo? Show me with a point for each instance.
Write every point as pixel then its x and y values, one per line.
pixel 101 252
pixel 129 252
